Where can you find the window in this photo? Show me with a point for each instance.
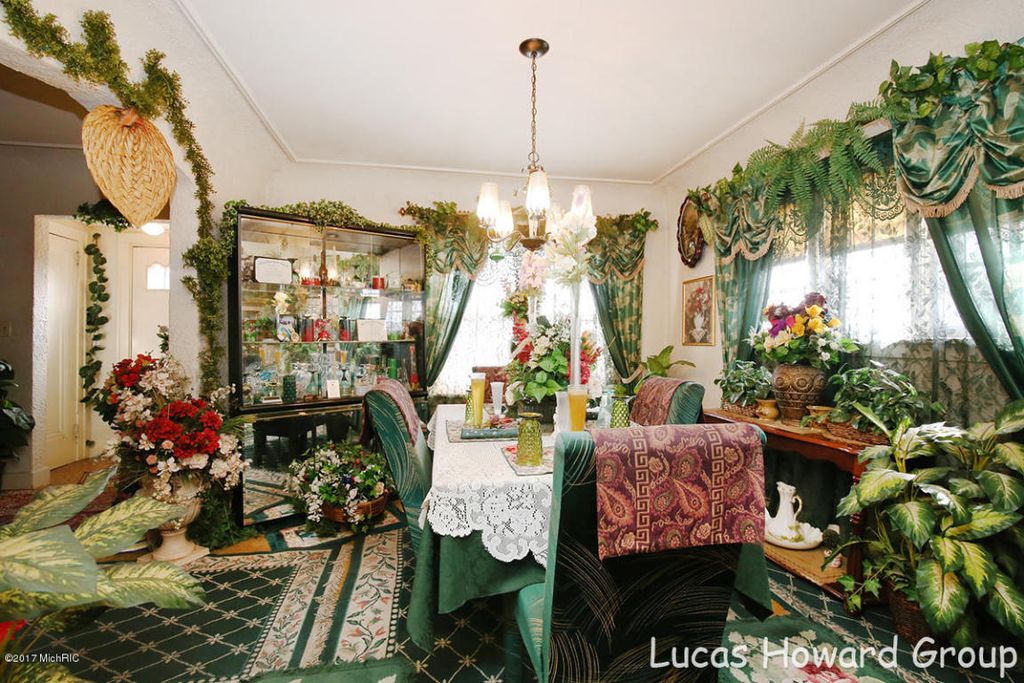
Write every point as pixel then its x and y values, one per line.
pixel 485 336
pixel 158 276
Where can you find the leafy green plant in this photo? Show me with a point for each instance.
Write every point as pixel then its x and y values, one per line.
pixel 658 365
pixel 102 212
pixel 343 475
pixel 49 576
pixel 890 396
pixel 947 530
pixel 16 424
pixel 94 319
pixel 743 382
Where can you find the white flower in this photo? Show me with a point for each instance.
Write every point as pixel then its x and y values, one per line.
pixel 825 355
pixel 197 461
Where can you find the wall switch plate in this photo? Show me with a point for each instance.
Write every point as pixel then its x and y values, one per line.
pixel 6 328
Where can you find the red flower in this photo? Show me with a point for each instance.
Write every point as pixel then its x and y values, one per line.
pixel 160 428
pixel 211 420
pixel 182 410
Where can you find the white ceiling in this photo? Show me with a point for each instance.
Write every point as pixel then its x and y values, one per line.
pixel 628 90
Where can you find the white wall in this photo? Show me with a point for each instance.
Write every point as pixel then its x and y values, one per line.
pixel 939 26
pixel 34 180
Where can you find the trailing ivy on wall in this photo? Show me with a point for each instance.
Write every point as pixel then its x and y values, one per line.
pixel 102 212
pixel 97 59
pixel 94 319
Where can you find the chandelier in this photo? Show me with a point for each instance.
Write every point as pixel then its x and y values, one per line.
pixel 495 214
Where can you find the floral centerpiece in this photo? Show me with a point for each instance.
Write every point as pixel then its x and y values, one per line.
pixel 342 483
pixel 801 342
pixel 177 445
pixel 540 361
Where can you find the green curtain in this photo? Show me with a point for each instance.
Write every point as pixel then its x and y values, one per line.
pixel 981 248
pixel 617 281
pixel 742 294
pixel 447 296
pixel 962 167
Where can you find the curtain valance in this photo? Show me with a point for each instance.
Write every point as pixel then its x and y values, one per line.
pixel 978 133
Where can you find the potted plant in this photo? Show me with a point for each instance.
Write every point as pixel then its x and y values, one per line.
pixel 340 483
pixel 801 342
pixel 743 384
pixel 889 395
pixel 658 365
pixel 15 422
pixel 173 444
pixel 947 534
pixel 540 364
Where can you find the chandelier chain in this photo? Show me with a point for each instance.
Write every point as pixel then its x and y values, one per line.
pixel 533 157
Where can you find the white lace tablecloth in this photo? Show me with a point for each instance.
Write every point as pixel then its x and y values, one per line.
pixel 475 489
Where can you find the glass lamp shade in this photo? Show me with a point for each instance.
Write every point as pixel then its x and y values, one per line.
pixel 155 229
pixel 581 200
pixel 487 207
pixel 505 224
pixel 538 196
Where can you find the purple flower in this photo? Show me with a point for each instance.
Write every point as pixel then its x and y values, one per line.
pixel 778 325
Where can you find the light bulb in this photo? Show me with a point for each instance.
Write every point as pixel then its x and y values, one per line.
pixel 153 228
pixel 538 196
pixel 505 224
pixel 487 204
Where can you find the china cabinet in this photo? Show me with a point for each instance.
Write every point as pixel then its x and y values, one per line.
pixel 316 316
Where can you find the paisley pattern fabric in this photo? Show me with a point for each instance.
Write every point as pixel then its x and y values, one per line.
pixel 651 405
pixel 403 399
pixel 678 486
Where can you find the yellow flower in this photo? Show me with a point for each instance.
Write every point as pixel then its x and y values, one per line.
pixel 802 319
pixel 816 325
pixel 834 322
pixel 798 328
pixel 814 311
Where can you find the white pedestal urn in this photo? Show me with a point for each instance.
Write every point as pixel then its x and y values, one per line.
pixel 175 546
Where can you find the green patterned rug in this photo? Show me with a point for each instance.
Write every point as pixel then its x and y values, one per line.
pixel 264 498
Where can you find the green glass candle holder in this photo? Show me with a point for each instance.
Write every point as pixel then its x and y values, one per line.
pixel 470 415
pixel 530 450
pixel 620 413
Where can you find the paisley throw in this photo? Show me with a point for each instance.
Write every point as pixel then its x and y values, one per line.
pixel 678 486
pixel 400 395
pixel 650 407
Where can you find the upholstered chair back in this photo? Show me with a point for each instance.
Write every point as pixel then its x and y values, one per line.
pixel 666 400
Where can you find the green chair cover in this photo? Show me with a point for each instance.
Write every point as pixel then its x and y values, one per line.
pixel 685 408
pixel 411 469
pixel 593 620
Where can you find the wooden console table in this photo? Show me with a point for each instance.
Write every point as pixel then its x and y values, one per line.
pixel 812 445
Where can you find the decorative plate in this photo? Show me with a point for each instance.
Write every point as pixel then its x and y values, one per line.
pixel 688 235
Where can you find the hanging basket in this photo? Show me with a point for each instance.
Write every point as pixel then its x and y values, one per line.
pixel 130 161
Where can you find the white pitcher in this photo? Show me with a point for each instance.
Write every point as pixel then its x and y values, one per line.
pixel 785 519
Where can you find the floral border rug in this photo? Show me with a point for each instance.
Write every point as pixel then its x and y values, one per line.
pixel 265 613
pixel 264 496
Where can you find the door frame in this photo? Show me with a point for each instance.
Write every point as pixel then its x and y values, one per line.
pixel 62 226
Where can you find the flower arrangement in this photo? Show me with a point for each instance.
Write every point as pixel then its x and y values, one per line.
pixel 807 334
pixel 167 434
pixel 540 361
pixel 342 475
pixel 516 305
pixel 566 250
pixel 531 273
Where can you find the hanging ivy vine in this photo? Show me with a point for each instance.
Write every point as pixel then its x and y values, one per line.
pixel 97 59
pixel 94 319
pixel 102 212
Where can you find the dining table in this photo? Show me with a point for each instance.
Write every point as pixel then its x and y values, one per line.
pixel 492 521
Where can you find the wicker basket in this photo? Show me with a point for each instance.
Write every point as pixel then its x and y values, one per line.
pixel 844 430
pixel 907 617
pixel 367 510
pixel 129 159
pixel 746 411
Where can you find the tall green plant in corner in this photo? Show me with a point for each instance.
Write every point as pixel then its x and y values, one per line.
pixel 49 578
pixel 94 319
pixel 948 530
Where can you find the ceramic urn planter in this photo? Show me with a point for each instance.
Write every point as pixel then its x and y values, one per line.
pixel 795 387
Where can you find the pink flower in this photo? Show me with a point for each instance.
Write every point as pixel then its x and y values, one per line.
pixel 151 459
pixel 167 445
pixel 826 673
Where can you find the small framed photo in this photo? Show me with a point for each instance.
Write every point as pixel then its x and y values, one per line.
pixel 699 311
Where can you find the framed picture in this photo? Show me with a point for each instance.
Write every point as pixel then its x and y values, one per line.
pixel 689 238
pixel 699 311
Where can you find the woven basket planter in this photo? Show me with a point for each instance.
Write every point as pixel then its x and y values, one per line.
pixel 130 161
pixel 844 430
pixel 907 617
pixel 367 510
pixel 745 411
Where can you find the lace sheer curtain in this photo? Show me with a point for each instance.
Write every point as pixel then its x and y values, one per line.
pixel 485 335
pixel 882 278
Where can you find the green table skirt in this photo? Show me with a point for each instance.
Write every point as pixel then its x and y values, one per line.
pixel 467 571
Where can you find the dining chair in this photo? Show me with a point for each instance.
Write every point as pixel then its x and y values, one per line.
pixel 397 432
pixel 593 619
pixel 667 400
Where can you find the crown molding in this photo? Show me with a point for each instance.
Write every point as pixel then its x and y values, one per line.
pixel 42 145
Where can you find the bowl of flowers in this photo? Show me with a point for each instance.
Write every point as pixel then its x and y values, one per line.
pixel 801 343
pixel 340 483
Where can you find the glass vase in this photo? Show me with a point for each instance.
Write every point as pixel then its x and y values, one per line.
pixel 620 413
pixel 530 450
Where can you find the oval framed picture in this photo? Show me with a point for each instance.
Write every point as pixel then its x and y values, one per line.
pixel 688 235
